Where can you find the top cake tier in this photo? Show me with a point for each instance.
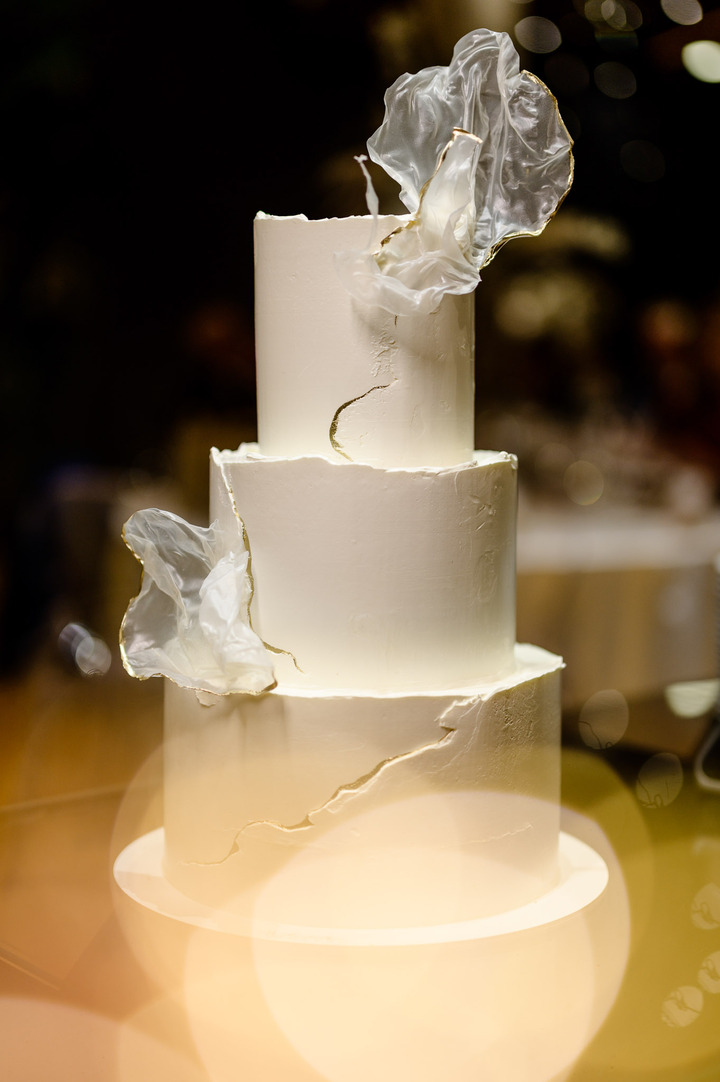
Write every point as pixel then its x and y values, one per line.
pixel 340 379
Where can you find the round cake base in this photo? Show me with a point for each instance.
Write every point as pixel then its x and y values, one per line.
pixel 138 872
pixel 513 997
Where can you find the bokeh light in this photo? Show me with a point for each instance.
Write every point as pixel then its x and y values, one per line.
pixel 642 161
pixel 604 719
pixel 623 15
pixel 702 60
pixel 709 973
pixel 660 780
pixel 682 1006
pixel 705 909
pixel 692 698
pixel 684 12
pixel 614 21
pixel 537 34
pixel 615 80
pixel 520 312
pixel 583 482
pixel 88 651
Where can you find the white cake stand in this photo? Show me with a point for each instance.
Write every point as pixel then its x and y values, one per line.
pixel 511 997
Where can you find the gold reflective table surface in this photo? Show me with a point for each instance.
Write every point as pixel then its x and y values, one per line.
pixel 81 776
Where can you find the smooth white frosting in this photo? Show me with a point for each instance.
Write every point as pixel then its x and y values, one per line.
pixel 394 390
pixel 367 578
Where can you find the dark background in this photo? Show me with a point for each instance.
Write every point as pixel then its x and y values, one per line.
pixel 139 140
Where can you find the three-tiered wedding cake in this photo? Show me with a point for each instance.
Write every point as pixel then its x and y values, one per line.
pixel 344 682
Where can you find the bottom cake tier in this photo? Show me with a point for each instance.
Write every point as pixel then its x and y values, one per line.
pixel 408 809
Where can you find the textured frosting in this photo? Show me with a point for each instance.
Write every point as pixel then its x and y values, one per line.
pixel 376 579
pixel 410 745
pixel 472 773
pixel 338 378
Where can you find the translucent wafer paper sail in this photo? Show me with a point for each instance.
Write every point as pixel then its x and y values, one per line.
pixel 481 155
pixel 190 622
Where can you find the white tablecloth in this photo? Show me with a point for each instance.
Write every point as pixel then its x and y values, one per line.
pixel 627 596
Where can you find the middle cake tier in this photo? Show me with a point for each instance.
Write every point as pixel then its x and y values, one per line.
pixel 370 578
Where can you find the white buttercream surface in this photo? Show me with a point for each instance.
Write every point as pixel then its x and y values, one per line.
pixel 251 780
pixel 396 579
pixel 351 381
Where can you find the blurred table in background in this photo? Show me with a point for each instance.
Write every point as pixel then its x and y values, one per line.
pixel 627 596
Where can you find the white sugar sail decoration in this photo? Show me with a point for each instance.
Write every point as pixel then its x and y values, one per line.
pixel 190 621
pixel 481 154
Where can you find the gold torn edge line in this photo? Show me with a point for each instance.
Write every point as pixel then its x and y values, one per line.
pixel 279 650
pixel 456 133
pixel 336 418
pixel 416 219
pixel 355 786
pixel 245 538
pixel 495 248
pixel 349 787
pixel 465 704
pixel 246 543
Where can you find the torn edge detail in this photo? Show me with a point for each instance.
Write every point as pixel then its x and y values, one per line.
pixel 347 788
pixel 334 442
pixel 246 542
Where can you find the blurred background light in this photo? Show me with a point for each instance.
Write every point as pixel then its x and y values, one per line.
pixel 593 11
pixel 520 311
pixel 684 12
pixel 583 482
pixel 709 973
pixel 705 908
pixel 614 79
pixel 683 1006
pixel 621 16
pixel 659 780
pixel 702 60
pixel 642 161
pixel 90 654
pixel 692 698
pixel 537 34
pixel 603 719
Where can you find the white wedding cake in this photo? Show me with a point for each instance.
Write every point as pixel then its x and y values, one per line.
pixel 344 686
